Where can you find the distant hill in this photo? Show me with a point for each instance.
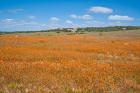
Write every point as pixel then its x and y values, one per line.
pixel 86 29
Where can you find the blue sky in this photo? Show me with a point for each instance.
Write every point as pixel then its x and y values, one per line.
pixel 20 15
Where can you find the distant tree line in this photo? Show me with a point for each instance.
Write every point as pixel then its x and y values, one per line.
pixel 86 29
pixel 107 29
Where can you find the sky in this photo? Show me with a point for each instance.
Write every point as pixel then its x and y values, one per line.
pixel 32 15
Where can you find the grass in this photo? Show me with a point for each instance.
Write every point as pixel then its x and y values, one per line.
pixel 79 63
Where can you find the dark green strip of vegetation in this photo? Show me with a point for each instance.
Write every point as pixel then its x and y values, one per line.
pixel 87 29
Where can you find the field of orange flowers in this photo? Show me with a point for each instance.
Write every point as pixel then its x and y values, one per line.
pixel 86 63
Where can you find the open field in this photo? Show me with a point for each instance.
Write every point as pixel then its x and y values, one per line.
pixel 99 62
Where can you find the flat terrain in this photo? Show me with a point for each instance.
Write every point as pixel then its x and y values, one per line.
pixel 99 62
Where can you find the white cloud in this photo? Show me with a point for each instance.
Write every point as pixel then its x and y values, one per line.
pixel 74 16
pixel 27 22
pixel 15 10
pixel 45 25
pixel 13 22
pixel 31 17
pixel 86 17
pixel 82 17
pixel 7 21
pixel 94 23
pixel 10 24
pixel 69 22
pixel 54 22
pixel 119 17
pixel 100 9
pixel 117 23
pixel 54 19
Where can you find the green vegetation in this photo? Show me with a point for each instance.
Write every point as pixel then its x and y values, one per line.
pixel 80 30
pixel 107 29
